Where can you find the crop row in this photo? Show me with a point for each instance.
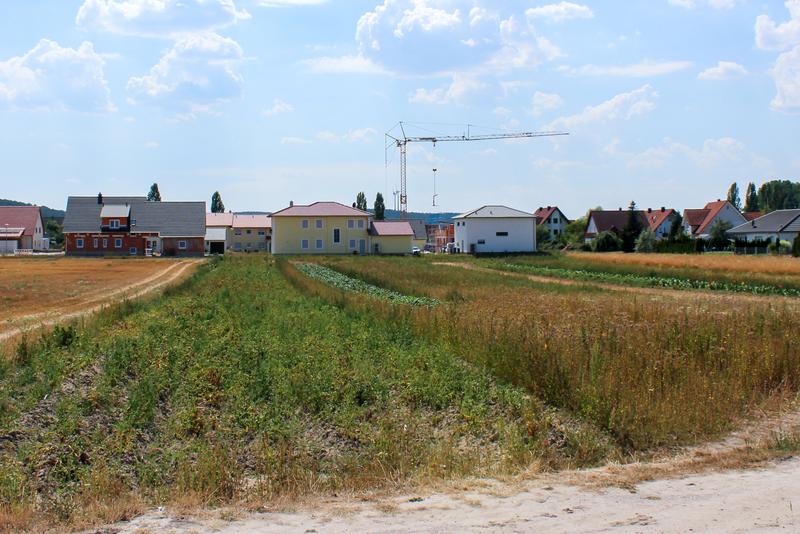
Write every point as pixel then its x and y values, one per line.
pixel 342 281
pixel 654 281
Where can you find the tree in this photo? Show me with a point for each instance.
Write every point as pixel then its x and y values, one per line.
pixel 676 229
pixel 380 208
pixel 607 242
pixel 154 195
pixel 632 229
pixel 796 246
pixel 778 195
pixel 542 234
pixel 216 203
pixel 719 234
pixel 361 201
pixel 53 230
pixel 751 198
pixel 646 242
pixel 733 196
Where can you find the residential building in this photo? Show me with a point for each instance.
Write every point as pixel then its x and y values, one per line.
pixel 699 222
pixel 251 233
pixel 21 228
pixel 391 237
pixel 320 228
pixel 658 220
pixel 777 225
pixel 219 232
pixel 495 229
pixel 420 230
pixel 100 226
pixel 443 234
pixel 553 219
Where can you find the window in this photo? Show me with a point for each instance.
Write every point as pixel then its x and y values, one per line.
pixel 351 224
pixel 353 244
pixel 262 233
pixel 132 251
pixel 113 224
pixel 304 243
pixel 79 243
pixel 337 236
pixel 319 223
pixel 181 245
pixel 319 244
pixel 249 232
pixel 105 242
pixel 361 223
pixel 501 234
pixel 94 242
pixel 133 222
pixel 555 220
pixel 481 241
pixel 238 231
pixel 118 243
pixel 305 223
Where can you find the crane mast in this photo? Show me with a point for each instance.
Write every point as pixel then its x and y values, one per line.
pixel 403 140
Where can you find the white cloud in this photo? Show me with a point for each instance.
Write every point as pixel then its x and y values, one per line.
pixel 479 15
pixel 623 106
pixel 773 36
pixel 196 74
pixel 55 78
pixel 784 38
pixel 158 18
pixel 278 106
pixel 716 4
pixel 546 102
pixel 725 70
pixel 426 18
pixel 289 3
pixel 358 135
pixel 560 12
pixel 724 151
pixel 786 74
pixel 152 145
pixel 460 87
pixel 294 141
pixel 643 69
pixel 344 65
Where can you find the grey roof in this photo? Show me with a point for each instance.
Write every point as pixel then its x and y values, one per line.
pixel 115 210
pixel 418 226
pixel 773 222
pixel 495 212
pixel 168 219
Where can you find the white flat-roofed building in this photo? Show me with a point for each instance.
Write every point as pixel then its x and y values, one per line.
pixel 495 229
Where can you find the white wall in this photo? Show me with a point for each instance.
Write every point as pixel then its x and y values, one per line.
pixel 521 234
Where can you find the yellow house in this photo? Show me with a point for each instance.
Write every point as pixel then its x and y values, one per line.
pixel 320 228
pixel 391 237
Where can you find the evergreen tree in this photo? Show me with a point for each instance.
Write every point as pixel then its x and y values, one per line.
pixel 361 201
pixel 779 195
pixel 380 208
pixel 633 227
pixel 733 196
pixel 796 246
pixel 154 195
pixel 676 230
pixel 216 203
pixel 751 198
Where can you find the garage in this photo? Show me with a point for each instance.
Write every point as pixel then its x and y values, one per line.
pixel 216 239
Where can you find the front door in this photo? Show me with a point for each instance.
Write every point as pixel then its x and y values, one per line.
pixel 362 246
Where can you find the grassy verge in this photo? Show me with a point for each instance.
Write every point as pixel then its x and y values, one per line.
pixel 237 387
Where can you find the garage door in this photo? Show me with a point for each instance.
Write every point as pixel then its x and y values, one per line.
pixel 8 247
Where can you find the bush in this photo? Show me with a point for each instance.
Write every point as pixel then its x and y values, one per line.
pixel 679 246
pixel 607 242
pixel 646 242
pixel 796 246
pixel 699 246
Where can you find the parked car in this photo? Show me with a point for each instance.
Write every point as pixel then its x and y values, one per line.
pixel 415 251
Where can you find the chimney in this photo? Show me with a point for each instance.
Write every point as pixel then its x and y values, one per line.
pixel 620 209
pixel 291 203
pixel 663 209
pixel 649 210
pixel 100 198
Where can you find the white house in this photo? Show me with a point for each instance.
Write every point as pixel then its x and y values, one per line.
pixel 699 222
pixel 780 224
pixel 553 219
pixel 495 229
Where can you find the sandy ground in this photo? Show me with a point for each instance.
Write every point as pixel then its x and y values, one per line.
pixel 760 500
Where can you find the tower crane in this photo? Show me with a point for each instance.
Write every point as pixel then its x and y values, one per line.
pixel 402 141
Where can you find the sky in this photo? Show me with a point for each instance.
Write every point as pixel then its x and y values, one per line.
pixel 270 101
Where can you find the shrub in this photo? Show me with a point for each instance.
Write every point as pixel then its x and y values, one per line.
pixel 796 246
pixel 646 242
pixel 607 242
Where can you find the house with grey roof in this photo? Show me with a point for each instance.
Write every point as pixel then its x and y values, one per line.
pixel 780 224
pixel 133 226
pixel 495 229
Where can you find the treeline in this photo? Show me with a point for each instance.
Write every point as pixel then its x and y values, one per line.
pixel 771 196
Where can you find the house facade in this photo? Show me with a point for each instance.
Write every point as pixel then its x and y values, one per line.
pixel 442 235
pixel 391 237
pixel 698 223
pixel 495 229
pixel 553 219
pixel 21 228
pixel 133 226
pixel 320 228
pixel 781 225
pixel 659 221
pixel 251 233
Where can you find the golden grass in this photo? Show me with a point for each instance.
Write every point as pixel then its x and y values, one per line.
pixel 778 265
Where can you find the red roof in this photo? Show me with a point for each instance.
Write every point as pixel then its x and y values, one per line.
pixel 542 214
pixel 388 228
pixel 752 215
pixel 26 217
pixel 656 218
pixel 252 221
pixel 219 219
pixel 700 220
pixel 321 209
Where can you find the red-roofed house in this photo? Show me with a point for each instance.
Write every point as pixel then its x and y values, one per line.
pixel 391 237
pixel 659 221
pixel 699 222
pixel 553 219
pixel 320 228
pixel 21 228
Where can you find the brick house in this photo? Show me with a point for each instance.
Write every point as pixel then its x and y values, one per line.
pixel 133 226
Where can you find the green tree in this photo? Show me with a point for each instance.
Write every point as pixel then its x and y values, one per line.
pixel 719 235
pixel 632 229
pixel 646 242
pixel 751 198
pixel 733 196
pixel 542 234
pixel 54 232
pixel 216 203
pixel 380 208
pixel 796 246
pixel 779 195
pixel 676 229
pixel 154 195
pixel 361 201
pixel 607 242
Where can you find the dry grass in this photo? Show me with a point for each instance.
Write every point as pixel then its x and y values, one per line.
pixel 776 265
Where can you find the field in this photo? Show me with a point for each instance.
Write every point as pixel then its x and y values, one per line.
pixel 39 290
pixel 259 381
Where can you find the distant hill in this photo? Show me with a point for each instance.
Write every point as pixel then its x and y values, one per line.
pixel 47 213
pixel 429 218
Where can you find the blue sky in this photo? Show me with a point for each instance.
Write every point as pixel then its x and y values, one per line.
pixel 667 101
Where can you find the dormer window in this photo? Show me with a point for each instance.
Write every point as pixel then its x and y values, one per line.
pixel 113 224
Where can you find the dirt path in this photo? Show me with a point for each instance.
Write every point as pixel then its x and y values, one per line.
pixel 649 291
pixel 171 274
